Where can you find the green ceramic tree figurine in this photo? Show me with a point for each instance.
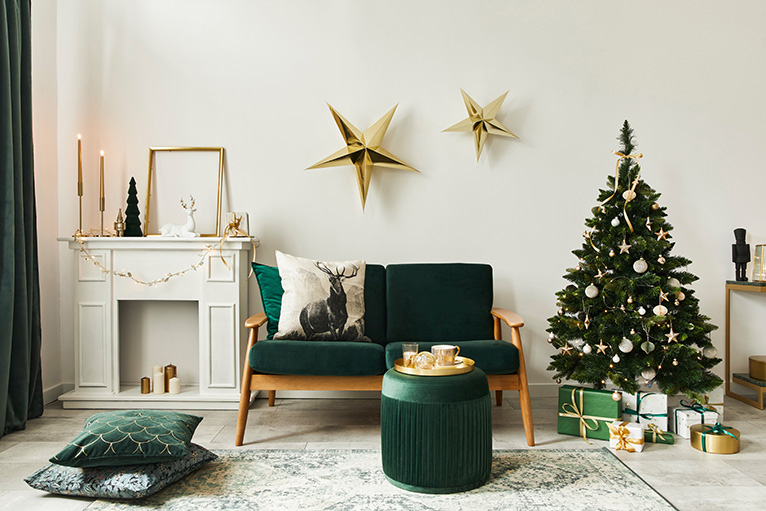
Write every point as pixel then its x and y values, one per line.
pixel 629 316
pixel 132 223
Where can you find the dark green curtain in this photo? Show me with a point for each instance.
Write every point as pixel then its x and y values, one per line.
pixel 21 395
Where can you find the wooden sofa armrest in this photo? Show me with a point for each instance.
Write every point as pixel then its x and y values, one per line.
pixel 256 320
pixel 511 319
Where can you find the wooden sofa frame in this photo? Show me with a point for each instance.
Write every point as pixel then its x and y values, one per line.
pixel 274 382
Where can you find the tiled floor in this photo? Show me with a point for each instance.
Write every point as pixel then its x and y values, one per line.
pixel 688 478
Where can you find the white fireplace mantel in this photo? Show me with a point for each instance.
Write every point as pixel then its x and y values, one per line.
pixel 221 294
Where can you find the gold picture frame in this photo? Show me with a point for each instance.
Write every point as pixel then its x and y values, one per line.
pixel 152 151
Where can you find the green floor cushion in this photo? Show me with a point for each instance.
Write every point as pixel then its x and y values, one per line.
pixel 492 357
pixel 317 358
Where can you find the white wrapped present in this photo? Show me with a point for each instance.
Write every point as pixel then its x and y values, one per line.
pixel 646 408
pixel 626 435
pixel 685 416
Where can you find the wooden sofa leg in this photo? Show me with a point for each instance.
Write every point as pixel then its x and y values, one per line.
pixel 272 397
pixel 499 397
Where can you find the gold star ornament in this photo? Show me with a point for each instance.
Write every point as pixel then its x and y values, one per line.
pixel 363 151
pixel 482 121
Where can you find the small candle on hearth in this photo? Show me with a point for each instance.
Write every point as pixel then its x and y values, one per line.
pixel 174 385
pixel 159 383
pixel 156 369
pixel 101 181
pixel 79 165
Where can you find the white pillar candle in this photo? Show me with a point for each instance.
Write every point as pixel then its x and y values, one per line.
pixel 159 383
pixel 174 386
pixel 156 369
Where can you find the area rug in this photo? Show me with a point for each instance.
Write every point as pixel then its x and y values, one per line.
pixel 309 480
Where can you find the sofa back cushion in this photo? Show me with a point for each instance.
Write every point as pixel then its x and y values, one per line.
pixel 375 303
pixel 439 302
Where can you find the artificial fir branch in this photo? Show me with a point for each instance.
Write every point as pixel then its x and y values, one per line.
pixel 628 309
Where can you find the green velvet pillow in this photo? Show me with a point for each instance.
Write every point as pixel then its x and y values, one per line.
pixel 129 437
pixel 270 284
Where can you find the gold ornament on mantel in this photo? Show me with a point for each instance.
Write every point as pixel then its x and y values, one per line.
pixel 362 150
pixel 482 121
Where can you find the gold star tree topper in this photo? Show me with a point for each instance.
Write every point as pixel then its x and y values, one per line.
pixel 482 121
pixel 362 150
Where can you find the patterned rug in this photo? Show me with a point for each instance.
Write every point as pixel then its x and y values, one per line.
pixel 309 480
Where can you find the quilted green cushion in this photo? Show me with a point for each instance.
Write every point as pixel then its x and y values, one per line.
pixel 439 302
pixel 129 437
pixel 318 358
pixel 492 357
pixel 270 285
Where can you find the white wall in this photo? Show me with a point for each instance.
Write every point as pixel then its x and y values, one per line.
pixel 254 77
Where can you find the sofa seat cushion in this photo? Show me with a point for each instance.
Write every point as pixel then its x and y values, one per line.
pixel 492 357
pixel 317 358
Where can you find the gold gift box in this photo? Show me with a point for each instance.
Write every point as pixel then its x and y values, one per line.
pixel 758 367
pixel 715 442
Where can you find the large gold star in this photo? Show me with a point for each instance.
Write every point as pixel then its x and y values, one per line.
pixel 482 121
pixel 362 151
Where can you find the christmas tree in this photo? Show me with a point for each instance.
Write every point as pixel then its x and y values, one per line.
pixel 629 317
pixel 132 223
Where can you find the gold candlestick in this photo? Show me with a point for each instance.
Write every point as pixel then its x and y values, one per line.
pixel 79 176
pixel 101 201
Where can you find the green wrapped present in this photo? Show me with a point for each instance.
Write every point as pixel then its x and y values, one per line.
pixel 656 435
pixel 587 412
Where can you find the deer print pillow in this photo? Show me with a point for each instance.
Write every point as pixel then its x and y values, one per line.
pixel 323 300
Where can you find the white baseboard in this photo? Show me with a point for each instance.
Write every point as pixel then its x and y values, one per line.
pixel 51 394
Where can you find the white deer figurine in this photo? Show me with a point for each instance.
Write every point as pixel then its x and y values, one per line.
pixel 184 230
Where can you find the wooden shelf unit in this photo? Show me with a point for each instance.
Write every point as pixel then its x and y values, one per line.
pixel 749 287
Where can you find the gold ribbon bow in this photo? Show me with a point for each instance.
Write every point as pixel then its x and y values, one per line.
pixel 573 411
pixel 621 432
pixel 233 229
pixel 656 432
pixel 632 194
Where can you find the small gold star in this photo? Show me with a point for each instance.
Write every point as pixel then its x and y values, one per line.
pixel 624 248
pixel 600 274
pixel 566 349
pixel 601 347
pixel 663 296
pixel 482 121
pixel 662 234
pixel 672 336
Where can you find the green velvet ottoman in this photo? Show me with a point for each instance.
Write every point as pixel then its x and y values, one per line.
pixel 436 431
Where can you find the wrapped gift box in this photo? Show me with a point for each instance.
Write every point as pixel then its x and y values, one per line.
pixel 587 412
pixel 646 408
pixel 658 436
pixel 626 435
pixel 715 438
pixel 684 416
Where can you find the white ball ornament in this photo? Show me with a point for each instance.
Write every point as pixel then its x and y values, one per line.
pixel 660 310
pixel 628 195
pixel 709 352
pixel 616 359
pixel 661 260
pixel 674 282
pixel 648 373
pixel 641 311
pixel 680 296
pixel 615 222
pixel 591 291
pixel 640 266
pixel 625 345
pixel 587 349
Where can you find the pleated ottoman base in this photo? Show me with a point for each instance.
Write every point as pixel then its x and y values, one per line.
pixel 436 432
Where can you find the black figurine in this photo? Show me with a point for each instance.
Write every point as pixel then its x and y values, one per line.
pixel 740 254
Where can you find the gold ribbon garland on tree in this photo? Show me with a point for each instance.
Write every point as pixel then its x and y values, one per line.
pixel 628 196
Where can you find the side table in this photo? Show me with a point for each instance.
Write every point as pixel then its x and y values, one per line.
pixel 436 431
pixel 759 386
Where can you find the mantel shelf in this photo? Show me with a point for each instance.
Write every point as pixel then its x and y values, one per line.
pixel 160 243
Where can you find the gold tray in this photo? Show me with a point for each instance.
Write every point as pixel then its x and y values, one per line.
pixel 462 365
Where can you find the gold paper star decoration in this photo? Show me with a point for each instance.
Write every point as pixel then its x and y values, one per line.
pixel 624 248
pixel 363 151
pixel 672 336
pixel 662 234
pixel 601 347
pixel 663 296
pixel 482 121
pixel 566 349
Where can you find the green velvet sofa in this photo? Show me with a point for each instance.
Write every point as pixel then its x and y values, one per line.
pixel 426 303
